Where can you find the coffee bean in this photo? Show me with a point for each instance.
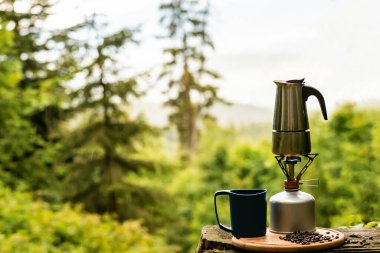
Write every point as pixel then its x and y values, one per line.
pixel 305 238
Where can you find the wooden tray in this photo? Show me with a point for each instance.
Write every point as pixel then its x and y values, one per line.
pixel 272 243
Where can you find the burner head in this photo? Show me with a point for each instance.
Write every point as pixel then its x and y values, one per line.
pixel 292 159
pixel 287 164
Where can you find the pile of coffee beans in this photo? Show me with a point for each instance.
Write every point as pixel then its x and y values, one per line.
pixel 306 238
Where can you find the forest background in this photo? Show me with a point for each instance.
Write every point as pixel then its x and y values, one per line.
pixel 82 171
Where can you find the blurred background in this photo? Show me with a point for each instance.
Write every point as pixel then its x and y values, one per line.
pixel 120 119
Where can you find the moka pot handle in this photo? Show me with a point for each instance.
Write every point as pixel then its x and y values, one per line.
pixel 310 91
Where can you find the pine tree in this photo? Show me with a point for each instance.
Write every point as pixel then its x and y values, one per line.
pixel 13 126
pixel 43 69
pixel 190 93
pixel 104 143
pixel 30 157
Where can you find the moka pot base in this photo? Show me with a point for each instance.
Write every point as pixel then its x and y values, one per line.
pixel 271 242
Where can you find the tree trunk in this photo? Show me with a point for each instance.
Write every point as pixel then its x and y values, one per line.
pixel 188 133
pixel 109 171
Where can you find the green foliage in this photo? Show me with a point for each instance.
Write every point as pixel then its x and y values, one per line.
pixel 35 226
pixel 348 165
pixel 41 77
pixel 22 150
pixel 31 97
pixel 372 224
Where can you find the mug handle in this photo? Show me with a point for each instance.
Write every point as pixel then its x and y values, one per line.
pixel 222 192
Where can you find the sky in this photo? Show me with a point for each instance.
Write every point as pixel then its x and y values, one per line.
pixel 333 44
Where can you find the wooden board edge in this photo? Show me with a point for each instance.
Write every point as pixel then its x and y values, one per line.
pixel 239 243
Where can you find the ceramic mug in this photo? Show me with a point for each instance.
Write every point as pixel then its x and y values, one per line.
pixel 248 212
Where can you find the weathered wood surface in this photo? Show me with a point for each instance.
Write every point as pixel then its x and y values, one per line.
pixel 215 240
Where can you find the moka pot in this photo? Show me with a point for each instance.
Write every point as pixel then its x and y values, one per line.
pixel 291 134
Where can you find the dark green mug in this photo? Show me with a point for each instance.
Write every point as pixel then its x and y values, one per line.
pixel 248 212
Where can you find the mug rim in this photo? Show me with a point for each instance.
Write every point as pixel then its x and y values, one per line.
pixel 241 192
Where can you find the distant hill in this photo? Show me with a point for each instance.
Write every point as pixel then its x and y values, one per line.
pixel 236 114
pixel 369 104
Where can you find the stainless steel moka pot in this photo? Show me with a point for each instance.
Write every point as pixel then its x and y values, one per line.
pixel 291 134
pixel 293 210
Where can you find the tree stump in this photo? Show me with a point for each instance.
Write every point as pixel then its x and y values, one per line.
pixel 215 240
